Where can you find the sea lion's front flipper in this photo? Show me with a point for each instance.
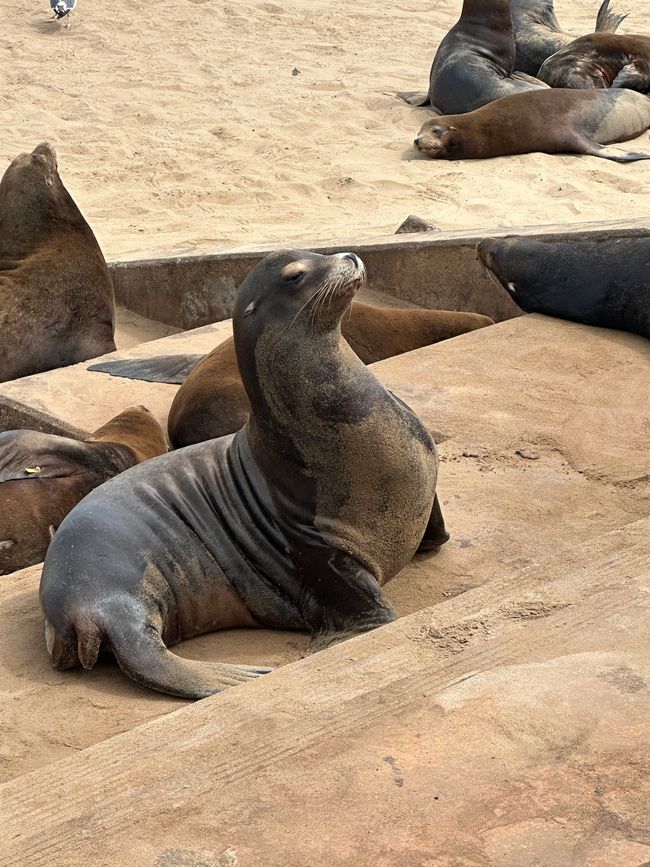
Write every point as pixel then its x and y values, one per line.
pixel 414 97
pixel 172 369
pixel 344 601
pixel 435 534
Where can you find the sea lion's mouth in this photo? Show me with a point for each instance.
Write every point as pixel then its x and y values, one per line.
pixel 430 147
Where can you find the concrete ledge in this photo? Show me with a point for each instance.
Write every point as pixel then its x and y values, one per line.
pixel 505 728
pixel 435 270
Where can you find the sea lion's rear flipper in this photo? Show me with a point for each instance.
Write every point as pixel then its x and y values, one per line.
pixel 172 369
pixel 436 533
pixel 614 154
pixel 414 97
pixel 608 21
pixel 143 656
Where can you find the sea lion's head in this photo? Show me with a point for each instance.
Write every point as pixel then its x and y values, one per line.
pixel 439 139
pixel 301 290
pixel 287 324
pixel 33 201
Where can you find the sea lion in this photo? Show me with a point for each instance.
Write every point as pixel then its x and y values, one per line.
pixel 538 33
pixel 600 279
pixel 42 477
pixel 56 295
pixel 548 121
pixel 601 60
pixel 212 400
pixel 475 62
pixel 294 522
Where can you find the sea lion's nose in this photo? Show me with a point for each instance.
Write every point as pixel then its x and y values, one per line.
pixel 352 257
pixel 416 142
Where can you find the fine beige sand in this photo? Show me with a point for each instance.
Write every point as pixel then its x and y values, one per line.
pixel 204 124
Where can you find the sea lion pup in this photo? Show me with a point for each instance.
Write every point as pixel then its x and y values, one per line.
pixel 549 121
pixel 538 33
pixel 294 522
pixel 212 400
pixel 42 477
pixel 602 279
pixel 601 60
pixel 56 294
pixel 475 62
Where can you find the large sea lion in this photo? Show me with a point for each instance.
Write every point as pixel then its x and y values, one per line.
pixel 475 62
pixel 600 279
pixel 212 400
pixel 601 60
pixel 548 121
pixel 538 33
pixel 294 522
pixel 43 476
pixel 56 294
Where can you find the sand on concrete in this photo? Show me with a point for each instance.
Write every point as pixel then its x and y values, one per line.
pixel 207 125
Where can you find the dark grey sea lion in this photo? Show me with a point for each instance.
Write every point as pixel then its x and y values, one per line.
pixel 295 522
pixel 475 62
pixel 602 279
pixel 538 33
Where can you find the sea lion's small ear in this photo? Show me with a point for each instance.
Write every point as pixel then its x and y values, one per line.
pixel 250 309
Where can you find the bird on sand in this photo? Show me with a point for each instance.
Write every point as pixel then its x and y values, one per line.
pixel 61 9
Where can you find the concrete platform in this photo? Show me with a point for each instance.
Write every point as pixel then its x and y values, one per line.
pixel 545 427
pixel 505 728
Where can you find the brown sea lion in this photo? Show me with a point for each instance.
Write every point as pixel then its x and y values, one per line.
pixel 549 121
pixel 212 401
pixel 43 476
pixel 294 522
pixel 475 62
pixel 601 60
pixel 538 33
pixel 56 294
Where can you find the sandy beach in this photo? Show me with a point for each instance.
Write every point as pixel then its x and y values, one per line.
pixel 207 125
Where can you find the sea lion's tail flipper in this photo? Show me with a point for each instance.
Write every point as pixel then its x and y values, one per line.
pixel 172 369
pixel 143 656
pixel 608 21
pixel 436 533
pixel 414 97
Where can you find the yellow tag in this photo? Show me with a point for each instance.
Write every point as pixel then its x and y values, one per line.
pixel 32 470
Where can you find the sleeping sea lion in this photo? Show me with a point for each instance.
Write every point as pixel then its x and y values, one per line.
pixel 56 295
pixel 294 522
pixel 43 476
pixel 601 60
pixel 600 279
pixel 475 62
pixel 548 121
pixel 538 33
pixel 212 400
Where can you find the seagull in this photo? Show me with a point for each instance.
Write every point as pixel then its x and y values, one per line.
pixel 62 9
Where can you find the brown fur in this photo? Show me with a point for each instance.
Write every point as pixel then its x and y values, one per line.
pixel 212 401
pixel 56 295
pixel 33 504
pixel 546 121
pixel 601 60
